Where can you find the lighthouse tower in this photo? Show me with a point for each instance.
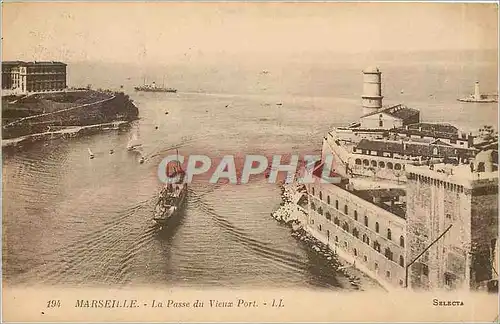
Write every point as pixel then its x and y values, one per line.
pixel 372 90
pixel 477 94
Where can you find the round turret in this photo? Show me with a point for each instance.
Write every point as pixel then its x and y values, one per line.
pixel 372 90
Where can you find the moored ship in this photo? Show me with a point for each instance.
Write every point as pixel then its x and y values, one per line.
pixel 154 88
pixel 172 196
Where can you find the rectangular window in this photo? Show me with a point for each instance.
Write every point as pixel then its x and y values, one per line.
pixel 425 269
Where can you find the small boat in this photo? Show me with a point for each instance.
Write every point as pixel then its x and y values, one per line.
pixel 111 151
pixel 141 160
pixel 172 196
pixel 91 155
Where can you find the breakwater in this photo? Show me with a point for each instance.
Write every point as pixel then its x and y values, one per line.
pixel 64 133
pixel 294 215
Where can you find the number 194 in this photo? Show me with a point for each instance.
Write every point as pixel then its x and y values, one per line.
pixel 53 303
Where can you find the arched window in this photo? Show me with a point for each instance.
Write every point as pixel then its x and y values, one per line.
pixel 376 246
pixel 345 227
pixel 401 261
pixel 320 210
pixel 336 238
pixel 389 165
pixel 312 190
pixel 328 216
pixel 374 163
pixel 356 215
pixel 388 254
pixel 377 227
pixel 358 161
pixel 366 220
pixel 367 240
pixel 336 221
pixel 389 234
pixel 402 241
pixel 355 252
pixel 346 210
pixel 397 166
pixel 364 238
pixel 328 199
pixel 366 162
pixel 336 204
pixel 320 195
pixel 319 227
pixel 355 232
pixel 381 164
pixel 381 123
pixel 435 151
pixel 313 206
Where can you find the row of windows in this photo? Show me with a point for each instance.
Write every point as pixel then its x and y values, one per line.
pixel 380 164
pixel 346 210
pixel 376 245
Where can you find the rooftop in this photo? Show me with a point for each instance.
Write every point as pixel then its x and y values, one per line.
pixel 434 149
pixel 457 174
pixel 399 111
pixel 33 63
pixel 436 130
pixel 377 197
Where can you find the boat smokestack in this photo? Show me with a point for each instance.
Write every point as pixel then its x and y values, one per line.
pixel 372 90
pixel 477 94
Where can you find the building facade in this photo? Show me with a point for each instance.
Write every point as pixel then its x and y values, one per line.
pixel 31 77
pixel 461 204
pixel 362 226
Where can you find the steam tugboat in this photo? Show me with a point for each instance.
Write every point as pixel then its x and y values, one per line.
pixel 172 196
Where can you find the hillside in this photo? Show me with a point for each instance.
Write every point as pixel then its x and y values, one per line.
pixel 38 113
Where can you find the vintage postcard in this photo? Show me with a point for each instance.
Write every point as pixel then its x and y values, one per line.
pixel 249 162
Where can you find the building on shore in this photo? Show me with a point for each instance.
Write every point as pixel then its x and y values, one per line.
pixel 20 77
pixel 404 182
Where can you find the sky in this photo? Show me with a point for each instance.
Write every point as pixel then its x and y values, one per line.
pixel 164 32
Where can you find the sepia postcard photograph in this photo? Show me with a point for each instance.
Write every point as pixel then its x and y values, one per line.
pixel 249 162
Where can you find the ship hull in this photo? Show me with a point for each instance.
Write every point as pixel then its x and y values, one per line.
pixel 166 218
pixel 478 100
pixel 156 90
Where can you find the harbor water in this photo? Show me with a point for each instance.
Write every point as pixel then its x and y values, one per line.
pixel 71 220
